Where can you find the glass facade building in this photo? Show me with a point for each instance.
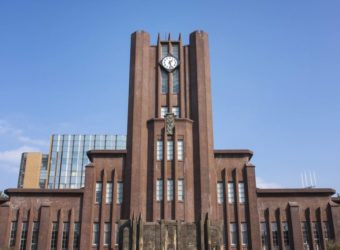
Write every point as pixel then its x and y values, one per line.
pixel 68 157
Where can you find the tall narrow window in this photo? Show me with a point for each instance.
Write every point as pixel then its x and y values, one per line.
pixel 170 150
pixel 326 230
pixel 99 187
pixel 35 235
pixel 76 236
pixel 65 236
pixel 13 235
pixel 175 81
pixel 117 233
pixel 108 198
pixel 165 50
pixel 159 150
pixel 170 189
pixel 286 241
pixel 305 234
pixel 317 234
pixel 175 110
pixel 180 191
pixel 164 111
pixel 165 82
pixel 275 235
pixel 220 193
pixel 119 192
pixel 159 190
pixel 180 150
pixel 241 192
pixel 231 192
pixel 233 234
pixel 264 235
pixel 95 236
pixel 54 237
pixel 175 50
pixel 244 232
pixel 23 236
pixel 107 234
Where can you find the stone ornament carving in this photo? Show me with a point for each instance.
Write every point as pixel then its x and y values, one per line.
pixel 169 123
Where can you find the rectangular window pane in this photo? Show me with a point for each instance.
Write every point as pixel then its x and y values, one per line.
pixel 241 191
pixel 175 81
pixel 165 50
pixel 159 190
pixel 180 150
pixel 170 150
pixel 95 237
pixel 13 233
pixel 54 237
pixel 244 232
pixel 99 186
pixel 164 111
pixel 317 234
pixel 117 233
pixel 275 235
pixel 220 192
pixel 175 50
pixel 264 235
pixel 119 192
pixel 107 234
pixel 165 82
pixel 180 191
pixel 231 192
pixel 108 198
pixel 76 236
pixel 35 235
pixel 23 236
pixel 285 230
pixel 170 192
pixel 326 230
pixel 65 235
pixel 305 234
pixel 233 234
pixel 159 150
pixel 175 111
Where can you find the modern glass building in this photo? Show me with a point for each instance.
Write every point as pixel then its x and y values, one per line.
pixel 68 157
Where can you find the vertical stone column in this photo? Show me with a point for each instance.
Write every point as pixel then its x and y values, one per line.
pixel 60 229
pixel 71 230
pixel 295 225
pixel 30 227
pixel 45 225
pixel 5 224
pixel 335 211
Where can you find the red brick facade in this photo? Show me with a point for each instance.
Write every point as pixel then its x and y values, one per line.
pixel 187 196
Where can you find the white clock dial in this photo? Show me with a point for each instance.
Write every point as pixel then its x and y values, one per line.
pixel 169 62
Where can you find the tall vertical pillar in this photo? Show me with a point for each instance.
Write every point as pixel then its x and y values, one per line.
pixel 44 240
pixel 335 211
pixel 295 225
pixel 5 224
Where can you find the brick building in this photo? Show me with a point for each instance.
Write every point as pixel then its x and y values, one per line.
pixel 170 189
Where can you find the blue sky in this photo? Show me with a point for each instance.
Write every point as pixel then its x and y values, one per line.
pixel 274 69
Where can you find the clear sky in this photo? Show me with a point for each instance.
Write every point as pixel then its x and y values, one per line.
pixel 275 71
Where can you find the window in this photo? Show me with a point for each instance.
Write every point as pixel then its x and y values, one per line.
pixel 275 235
pixel 95 236
pixel 23 236
pixel 65 235
pixel 76 236
pixel 285 235
pixel 326 230
pixel 317 235
pixel 107 234
pixel 99 186
pixel 244 232
pixel 175 81
pixel 233 234
pixel 54 236
pixel 175 110
pixel 165 50
pixel 305 233
pixel 159 150
pixel 159 190
pixel 13 233
pixel 220 193
pixel 170 189
pixel 231 192
pixel 165 82
pixel 241 193
pixel 108 198
pixel 35 235
pixel 119 192
pixel 164 111
pixel 117 233
pixel 264 235
pixel 180 191
pixel 180 150
pixel 170 150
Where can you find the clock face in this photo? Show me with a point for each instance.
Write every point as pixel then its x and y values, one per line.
pixel 169 62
